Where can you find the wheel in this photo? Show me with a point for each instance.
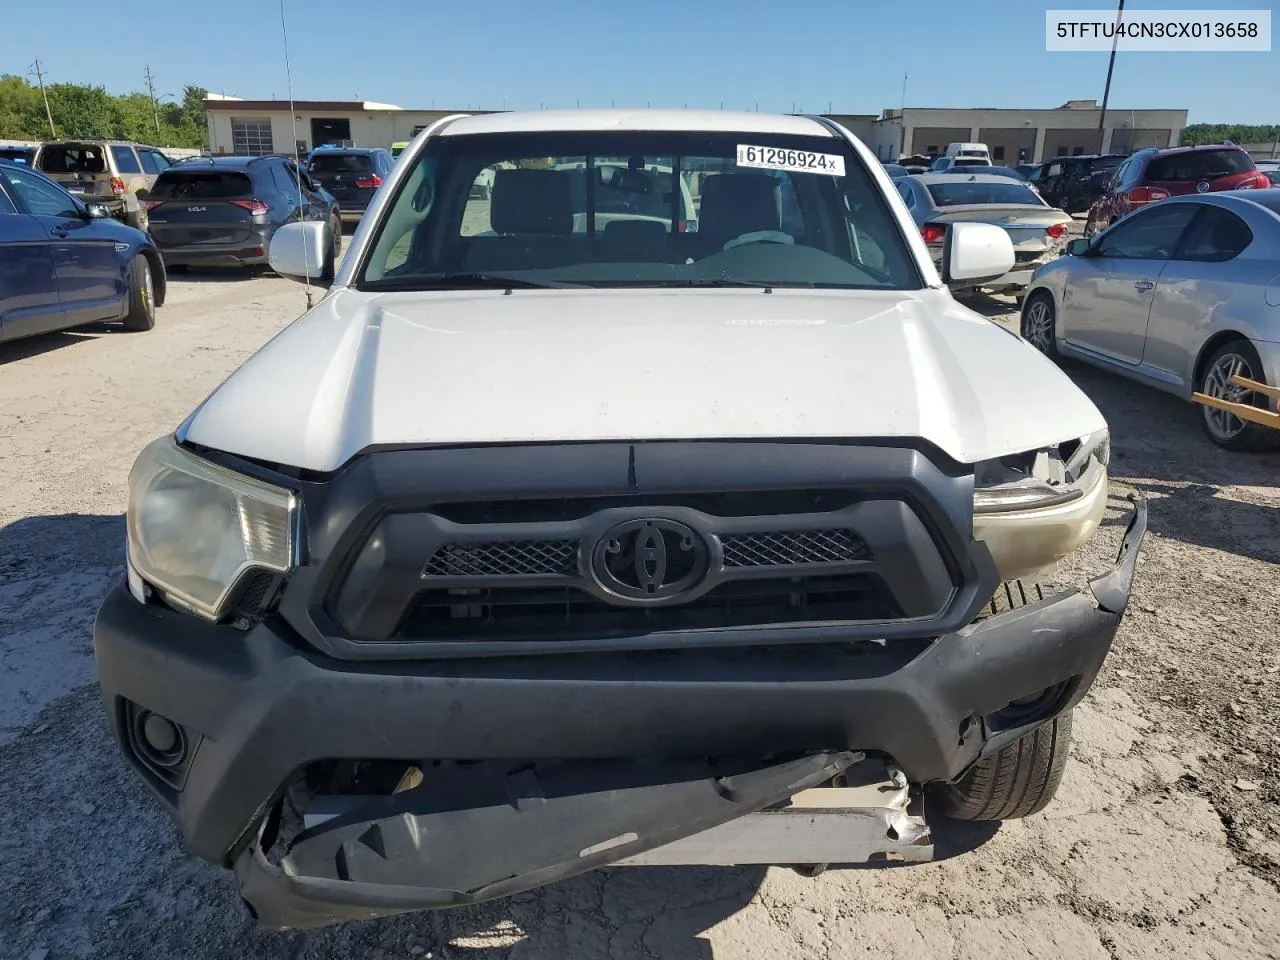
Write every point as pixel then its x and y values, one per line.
pixel 1225 429
pixel 1038 320
pixel 142 296
pixel 810 869
pixel 331 255
pixel 138 219
pixel 1014 782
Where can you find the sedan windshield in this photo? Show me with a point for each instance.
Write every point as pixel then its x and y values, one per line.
pixel 968 191
pixel 607 209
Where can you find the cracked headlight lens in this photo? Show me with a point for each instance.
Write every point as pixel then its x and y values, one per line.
pixel 1035 508
pixel 194 528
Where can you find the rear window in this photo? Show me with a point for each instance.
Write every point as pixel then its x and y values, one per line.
pixel 1199 165
pixel 72 158
pixel 204 185
pixel 340 163
pixel 954 194
pixel 970 161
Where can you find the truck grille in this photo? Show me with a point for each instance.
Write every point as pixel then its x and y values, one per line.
pixel 532 613
pixel 787 548
pixel 504 558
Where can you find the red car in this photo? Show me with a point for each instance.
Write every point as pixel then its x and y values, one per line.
pixel 1152 174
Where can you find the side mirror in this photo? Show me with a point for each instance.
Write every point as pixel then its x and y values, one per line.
pixel 976 251
pixel 96 211
pixel 1078 247
pixel 297 250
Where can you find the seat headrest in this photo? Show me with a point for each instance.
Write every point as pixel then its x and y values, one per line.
pixel 531 201
pixel 635 239
pixel 738 203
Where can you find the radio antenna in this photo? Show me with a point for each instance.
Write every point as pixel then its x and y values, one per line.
pixel 297 157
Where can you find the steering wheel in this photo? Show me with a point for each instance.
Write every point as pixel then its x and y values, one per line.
pixel 760 236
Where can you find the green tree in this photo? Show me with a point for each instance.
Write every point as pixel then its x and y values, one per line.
pixel 1200 133
pixel 19 102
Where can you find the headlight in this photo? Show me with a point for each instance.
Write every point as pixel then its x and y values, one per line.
pixel 1033 509
pixel 194 528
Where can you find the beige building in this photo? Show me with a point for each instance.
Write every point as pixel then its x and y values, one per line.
pixel 1025 136
pixel 271 126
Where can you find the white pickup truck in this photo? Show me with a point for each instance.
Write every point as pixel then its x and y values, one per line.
pixel 547 542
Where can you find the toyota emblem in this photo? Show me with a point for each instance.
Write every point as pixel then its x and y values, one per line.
pixel 650 559
pixel 1202 187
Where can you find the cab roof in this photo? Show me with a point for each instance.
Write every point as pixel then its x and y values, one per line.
pixel 610 121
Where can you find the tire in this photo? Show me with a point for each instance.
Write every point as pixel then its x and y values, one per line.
pixel 1236 356
pixel 142 296
pixel 1039 318
pixel 1014 782
pixel 138 219
pixel 331 255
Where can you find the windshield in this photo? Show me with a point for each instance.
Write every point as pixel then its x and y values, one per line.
pixel 638 209
pixel 1199 165
pixel 955 194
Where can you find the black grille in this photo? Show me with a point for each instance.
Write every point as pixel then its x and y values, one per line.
pixel 515 613
pixel 1027 256
pixel 504 558
pixel 781 548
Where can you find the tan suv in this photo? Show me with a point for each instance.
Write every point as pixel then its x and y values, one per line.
pixel 116 174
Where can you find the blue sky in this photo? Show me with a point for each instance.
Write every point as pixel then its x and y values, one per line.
pixel 810 54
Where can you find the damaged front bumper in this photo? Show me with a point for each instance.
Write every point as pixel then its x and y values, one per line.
pixel 535 769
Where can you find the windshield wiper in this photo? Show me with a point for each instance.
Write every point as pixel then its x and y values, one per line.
pixel 461 281
pixel 704 282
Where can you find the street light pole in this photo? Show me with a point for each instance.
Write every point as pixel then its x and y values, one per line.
pixel 1106 91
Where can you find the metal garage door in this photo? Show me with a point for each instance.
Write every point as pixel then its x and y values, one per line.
pixel 251 137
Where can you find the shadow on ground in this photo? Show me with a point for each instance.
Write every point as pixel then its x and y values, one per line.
pixel 48 342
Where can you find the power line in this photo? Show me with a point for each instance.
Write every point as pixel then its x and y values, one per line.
pixel 53 134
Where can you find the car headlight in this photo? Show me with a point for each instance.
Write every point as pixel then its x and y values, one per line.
pixel 195 528
pixel 1035 508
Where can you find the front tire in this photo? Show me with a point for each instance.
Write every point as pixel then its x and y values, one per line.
pixel 1014 782
pixel 1039 322
pixel 142 296
pixel 1227 430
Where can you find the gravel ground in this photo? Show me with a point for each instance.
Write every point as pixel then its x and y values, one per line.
pixel 1164 841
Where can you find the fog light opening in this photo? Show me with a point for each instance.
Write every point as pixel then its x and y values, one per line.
pixel 160 742
pixel 1029 709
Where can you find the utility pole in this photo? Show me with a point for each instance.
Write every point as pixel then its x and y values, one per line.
pixel 53 134
pixel 151 91
pixel 1106 91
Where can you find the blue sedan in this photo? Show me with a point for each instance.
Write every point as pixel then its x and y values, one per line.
pixel 63 264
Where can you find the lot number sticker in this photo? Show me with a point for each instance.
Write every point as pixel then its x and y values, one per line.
pixel 797 161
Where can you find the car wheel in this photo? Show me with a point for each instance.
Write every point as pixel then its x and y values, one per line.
pixel 1038 321
pixel 142 296
pixel 1226 429
pixel 1016 781
pixel 138 219
pixel 331 255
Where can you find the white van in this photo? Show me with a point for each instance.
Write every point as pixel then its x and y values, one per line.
pixel 978 150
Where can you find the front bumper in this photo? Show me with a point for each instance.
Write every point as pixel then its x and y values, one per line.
pixel 256 706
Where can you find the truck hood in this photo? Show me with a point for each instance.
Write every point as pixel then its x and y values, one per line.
pixel 367 370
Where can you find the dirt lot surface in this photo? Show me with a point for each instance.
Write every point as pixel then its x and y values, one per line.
pixel 1164 841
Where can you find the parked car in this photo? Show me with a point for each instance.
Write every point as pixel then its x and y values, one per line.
pixel 222 211
pixel 943 164
pixel 112 173
pixel 978 150
pixel 1178 295
pixel 896 170
pixel 351 174
pixel 509 561
pixel 22 155
pixel 64 264
pixel 937 201
pixel 399 147
pixel 1150 175
pixel 988 171
pixel 1028 170
pixel 1074 183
